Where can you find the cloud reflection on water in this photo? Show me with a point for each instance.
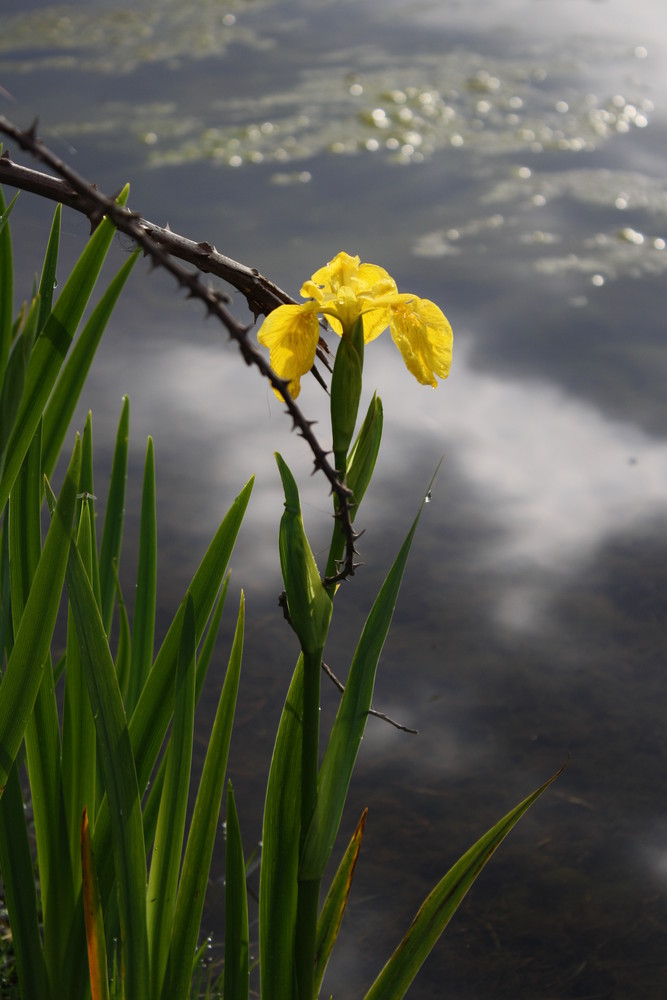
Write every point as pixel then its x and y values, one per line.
pixel 555 476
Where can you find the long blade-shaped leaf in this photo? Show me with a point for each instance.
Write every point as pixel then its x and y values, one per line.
pixel 51 347
pixel 236 983
pixel 348 728
pixel 12 387
pixel 330 918
pixel 199 849
pixel 119 774
pixel 79 742
pixel 112 532
pixel 97 949
pixel 143 624
pixel 47 282
pixel 151 716
pixel 25 667
pixel 168 846
pixel 61 405
pixel 18 884
pixel 6 287
pixel 152 802
pixel 278 890
pixel 42 733
pixel 153 712
pixel 437 909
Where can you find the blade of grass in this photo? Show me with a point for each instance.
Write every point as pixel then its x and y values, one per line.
pixel 6 287
pixel 42 732
pixel 112 533
pixel 201 838
pixel 350 722
pixel 6 631
pixel 331 916
pixel 87 494
pixel 360 465
pixel 124 642
pixel 47 282
pixel 97 949
pixel 168 845
pixel 25 667
pixel 236 982
pixel 12 388
pixel 280 851
pixel 143 623
pixel 79 739
pixel 18 885
pixel 152 802
pixel 51 347
pixel 61 405
pixel 437 909
pixel 151 717
pixel 120 778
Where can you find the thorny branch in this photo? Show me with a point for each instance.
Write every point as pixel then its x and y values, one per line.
pixel 162 246
pixel 371 711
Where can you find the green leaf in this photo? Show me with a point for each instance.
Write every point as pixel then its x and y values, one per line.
pixel 350 722
pixel 119 774
pixel 168 845
pixel 6 288
pixel 346 390
pixel 203 662
pixel 79 738
pixel 145 595
pixel 236 982
pixel 25 667
pixel 61 405
pixel 360 465
pixel 12 389
pixel 124 641
pixel 199 848
pixel 48 279
pixel 437 909
pixel 330 918
pixel 280 851
pixel 364 452
pixel 87 497
pixel 42 732
pixel 51 347
pixel 112 533
pixel 308 602
pixel 151 717
pixel 18 884
pixel 97 949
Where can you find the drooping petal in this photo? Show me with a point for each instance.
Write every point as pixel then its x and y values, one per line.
pixel 423 336
pixel 291 333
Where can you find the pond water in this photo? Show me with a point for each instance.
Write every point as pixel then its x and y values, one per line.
pixel 507 160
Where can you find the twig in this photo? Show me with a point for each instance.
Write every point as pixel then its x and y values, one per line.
pixel 262 295
pixel 159 244
pixel 371 711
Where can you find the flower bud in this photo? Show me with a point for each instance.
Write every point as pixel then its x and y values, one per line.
pixel 308 603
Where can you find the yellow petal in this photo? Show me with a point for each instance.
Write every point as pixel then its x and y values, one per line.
pixel 291 334
pixel 345 289
pixel 423 336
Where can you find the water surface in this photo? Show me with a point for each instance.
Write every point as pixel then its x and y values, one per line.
pixel 505 159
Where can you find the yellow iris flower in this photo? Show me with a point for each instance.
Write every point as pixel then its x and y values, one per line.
pixel 342 291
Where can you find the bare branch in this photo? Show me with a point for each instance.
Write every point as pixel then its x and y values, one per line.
pixel 371 711
pixel 161 245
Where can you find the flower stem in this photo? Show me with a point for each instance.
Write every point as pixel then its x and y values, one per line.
pixel 308 891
